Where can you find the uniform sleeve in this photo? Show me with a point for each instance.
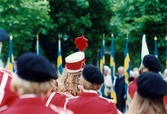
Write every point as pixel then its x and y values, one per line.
pixel 112 109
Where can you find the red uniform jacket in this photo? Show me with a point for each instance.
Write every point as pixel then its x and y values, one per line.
pixel 89 102
pixel 132 88
pixel 7 97
pixel 56 98
pixel 30 104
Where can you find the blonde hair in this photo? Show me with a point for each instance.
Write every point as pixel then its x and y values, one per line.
pixel 69 83
pixel 140 105
pixel 142 69
pixel 54 85
pixel 22 87
pixel 89 86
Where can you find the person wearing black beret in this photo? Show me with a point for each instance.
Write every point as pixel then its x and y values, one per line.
pixel 149 96
pixel 88 101
pixel 149 63
pixel 32 85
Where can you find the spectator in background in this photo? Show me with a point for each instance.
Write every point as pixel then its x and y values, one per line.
pixel 120 89
pixel 149 96
pixel 131 77
pixel 107 81
pixel 165 75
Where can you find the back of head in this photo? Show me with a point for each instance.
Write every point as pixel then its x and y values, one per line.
pixel 33 67
pixel 92 74
pixel 151 85
pixel 152 63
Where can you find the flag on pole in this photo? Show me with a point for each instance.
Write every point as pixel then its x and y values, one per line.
pixel 102 55
pixel 126 69
pixel 144 48
pixel 10 63
pixel 112 67
pixel 102 62
pixel 59 59
pixel 37 45
pixel 126 61
pixel 155 47
pixel 166 51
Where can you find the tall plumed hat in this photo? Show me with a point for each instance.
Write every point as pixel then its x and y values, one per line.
pixel 76 61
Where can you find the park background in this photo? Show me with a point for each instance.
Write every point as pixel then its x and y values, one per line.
pixel 95 19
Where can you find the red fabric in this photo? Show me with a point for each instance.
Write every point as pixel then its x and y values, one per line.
pixel 58 99
pixel 132 88
pixel 9 96
pixel 91 103
pixel 28 106
pixel 165 100
pixel 76 66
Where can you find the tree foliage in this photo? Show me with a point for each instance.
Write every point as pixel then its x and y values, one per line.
pixel 23 19
pixel 93 18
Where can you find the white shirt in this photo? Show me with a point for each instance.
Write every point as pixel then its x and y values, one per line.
pixel 108 83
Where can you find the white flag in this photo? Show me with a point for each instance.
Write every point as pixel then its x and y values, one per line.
pixel 144 48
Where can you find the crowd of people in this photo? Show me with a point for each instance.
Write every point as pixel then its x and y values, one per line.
pixel 36 89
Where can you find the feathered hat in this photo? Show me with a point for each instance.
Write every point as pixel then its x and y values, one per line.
pixel 76 61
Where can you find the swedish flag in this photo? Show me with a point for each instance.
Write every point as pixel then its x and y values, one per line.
pixel 10 63
pixel 166 51
pixel 112 67
pixel 126 68
pixel 59 59
pixel 102 62
pixel 38 46
pixel 102 56
pixel 155 47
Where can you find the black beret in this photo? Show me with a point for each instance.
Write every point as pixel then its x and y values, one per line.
pixel 151 85
pixel 33 67
pixel 3 35
pixel 92 74
pixel 152 63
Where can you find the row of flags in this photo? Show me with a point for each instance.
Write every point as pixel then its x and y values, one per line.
pixel 102 55
pixel 144 51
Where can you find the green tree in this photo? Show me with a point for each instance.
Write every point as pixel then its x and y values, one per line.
pixel 23 19
pixel 138 18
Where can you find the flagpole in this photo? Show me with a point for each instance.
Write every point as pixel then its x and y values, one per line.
pixel 155 47
pixel 112 67
pixel 166 51
pixel 59 58
pixel 37 44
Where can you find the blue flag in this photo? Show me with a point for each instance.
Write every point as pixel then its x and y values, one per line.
pixel 102 62
pixel 112 67
pixel 10 63
pixel 126 69
pixel 59 60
